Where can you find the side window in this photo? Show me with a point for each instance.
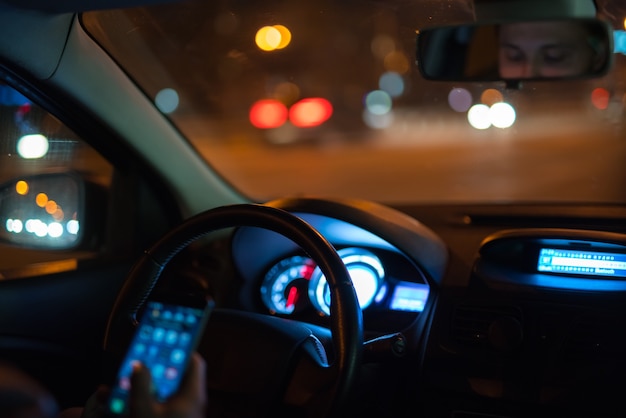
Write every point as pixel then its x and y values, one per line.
pixel 47 174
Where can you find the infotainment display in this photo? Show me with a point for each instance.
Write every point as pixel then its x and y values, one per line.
pixel 409 297
pixel 581 262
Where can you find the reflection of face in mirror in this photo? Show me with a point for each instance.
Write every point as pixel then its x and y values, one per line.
pixel 549 49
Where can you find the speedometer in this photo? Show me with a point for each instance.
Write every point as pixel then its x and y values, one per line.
pixel 366 272
pixel 284 288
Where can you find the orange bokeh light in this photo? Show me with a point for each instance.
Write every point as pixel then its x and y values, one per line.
pixel 271 38
pixel 51 206
pixel 41 200
pixel 491 97
pixel 58 215
pixel 21 187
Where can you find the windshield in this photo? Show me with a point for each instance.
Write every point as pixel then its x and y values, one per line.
pixel 325 98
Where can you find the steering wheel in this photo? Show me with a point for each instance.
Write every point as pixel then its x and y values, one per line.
pixel 271 363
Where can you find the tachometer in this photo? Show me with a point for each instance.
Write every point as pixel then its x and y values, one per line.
pixel 284 288
pixel 366 272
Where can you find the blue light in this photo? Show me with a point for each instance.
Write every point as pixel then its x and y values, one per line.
pixel 392 83
pixel 378 102
pixel 591 263
pixel 570 283
pixel 409 297
pixel 619 42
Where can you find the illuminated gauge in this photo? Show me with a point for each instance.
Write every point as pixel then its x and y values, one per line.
pixel 284 288
pixel 366 272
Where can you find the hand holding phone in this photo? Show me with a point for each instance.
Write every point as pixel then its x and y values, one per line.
pixel 165 339
pixel 190 401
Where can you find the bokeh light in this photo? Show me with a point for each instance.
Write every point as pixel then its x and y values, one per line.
pixel 491 97
pixel 51 206
pixel 32 146
pixel 502 115
pixel 14 225
pixel 167 100
pixel 40 229
pixel 378 102
pixel 267 38
pixel 41 199
pixel 478 116
pixel 310 112
pixel 392 83
pixel 37 227
pixel 600 98
pixel 268 113
pixel 460 99
pixel 55 229
pixel 270 38
pixel 21 187
pixel 72 227
pixel 285 36
pixel 396 61
pixel 58 214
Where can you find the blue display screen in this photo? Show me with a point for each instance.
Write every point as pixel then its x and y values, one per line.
pixel 409 297
pixel 579 262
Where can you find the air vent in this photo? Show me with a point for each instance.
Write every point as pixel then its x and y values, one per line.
pixel 498 328
pixel 596 336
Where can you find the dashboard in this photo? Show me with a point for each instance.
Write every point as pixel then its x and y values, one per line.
pixel 507 312
pixel 504 314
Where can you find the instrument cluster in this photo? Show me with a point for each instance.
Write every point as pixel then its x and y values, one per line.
pixel 382 281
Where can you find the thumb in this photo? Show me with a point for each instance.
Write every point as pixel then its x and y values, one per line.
pixel 141 403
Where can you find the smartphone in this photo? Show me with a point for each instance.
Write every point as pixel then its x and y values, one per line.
pixel 169 329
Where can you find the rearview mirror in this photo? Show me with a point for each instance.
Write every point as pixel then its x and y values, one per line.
pixel 42 211
pixel 530 50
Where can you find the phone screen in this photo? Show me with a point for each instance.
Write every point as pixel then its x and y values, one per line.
pixel 165 338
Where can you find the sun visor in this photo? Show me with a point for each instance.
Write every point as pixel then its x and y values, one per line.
pixel 41 34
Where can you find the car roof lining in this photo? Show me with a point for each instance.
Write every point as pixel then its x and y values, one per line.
pixel 74 6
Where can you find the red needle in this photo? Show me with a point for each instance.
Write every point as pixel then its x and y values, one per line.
pixel 292 297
